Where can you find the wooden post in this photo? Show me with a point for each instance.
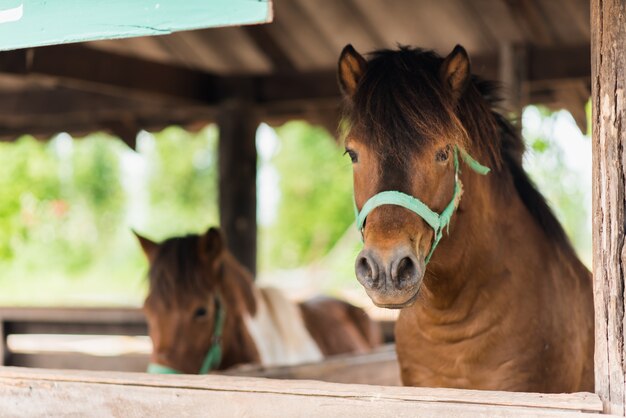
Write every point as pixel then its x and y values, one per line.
pixel 608 72
pixel 237 180
pixel 513 71
pixel 3 344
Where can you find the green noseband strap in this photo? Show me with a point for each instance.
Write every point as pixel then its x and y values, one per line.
pixel 213 357
pixel 437 221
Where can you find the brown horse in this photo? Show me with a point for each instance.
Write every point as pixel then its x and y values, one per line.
pixel 504 303
pixel 205 313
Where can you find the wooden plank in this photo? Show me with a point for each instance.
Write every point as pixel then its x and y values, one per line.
pixel 530 18
pixel 608 35
pixel 87 315
pixel 94 321
pixel 379 367
pixel 265 42
pixel 80 361
pixel 89 68
pixel 43 111
pixel 34 392
pixel 85 67
pixel 71 326
pixel 28 23
pixel 237 180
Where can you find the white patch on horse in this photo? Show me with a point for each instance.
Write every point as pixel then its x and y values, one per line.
pixel 278 331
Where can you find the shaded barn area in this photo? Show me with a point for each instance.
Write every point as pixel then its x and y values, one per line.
pixel 238 77
pixel 284 70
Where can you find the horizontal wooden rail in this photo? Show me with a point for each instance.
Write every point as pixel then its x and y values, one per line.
pixel 36 392
pixel 380 367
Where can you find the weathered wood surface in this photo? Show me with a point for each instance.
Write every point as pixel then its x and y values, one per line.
pixel 54 314
pixel 237 180
pixel 380 367
pixel 80 361
pixel 34 393
pixel 608 43
pixel 82 321
pixel 26 23
pixel 95 321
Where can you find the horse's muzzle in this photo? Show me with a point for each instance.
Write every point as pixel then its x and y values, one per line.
pixel 392 278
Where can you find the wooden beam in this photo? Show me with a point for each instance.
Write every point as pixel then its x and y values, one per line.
pixel 266 43
pixel 35 392
pixel 608 36
pixel 47 111
pixel 86 68
pixel 83 67
pixel 237 180
pixel 80 361
pixel 380 367
pixel 529 16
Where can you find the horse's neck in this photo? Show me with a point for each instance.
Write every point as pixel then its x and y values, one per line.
pixel 272 333
pixel 238 346
pixel 482 238
pixel 279 332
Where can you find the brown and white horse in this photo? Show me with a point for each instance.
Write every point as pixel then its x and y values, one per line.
pixel 504 303
pixel 204 312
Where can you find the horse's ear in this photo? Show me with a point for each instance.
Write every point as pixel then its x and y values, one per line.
pixel 211 244
pixel 455 71
pixel 149 247
pixel 351 68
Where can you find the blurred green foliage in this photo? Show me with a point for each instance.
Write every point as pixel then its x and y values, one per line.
pixel 67 208
pixel 316 207
pixel 566 187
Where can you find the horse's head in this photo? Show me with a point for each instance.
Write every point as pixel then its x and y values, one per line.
pixel 188 301
pixel 405 139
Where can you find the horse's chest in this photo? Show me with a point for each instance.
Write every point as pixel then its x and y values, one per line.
pixel 470 355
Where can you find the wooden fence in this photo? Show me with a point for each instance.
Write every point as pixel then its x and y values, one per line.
pixel 38 393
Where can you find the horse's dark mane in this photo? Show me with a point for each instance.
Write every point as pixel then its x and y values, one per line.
pixel 400 102
pixel 178 269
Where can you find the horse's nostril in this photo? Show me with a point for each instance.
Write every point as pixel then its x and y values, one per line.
pixel 363 268
pixel 366 272
pixel 405 272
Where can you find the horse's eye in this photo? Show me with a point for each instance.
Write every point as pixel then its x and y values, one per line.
pixel 352 155
pixel 442 155
pixel 200 313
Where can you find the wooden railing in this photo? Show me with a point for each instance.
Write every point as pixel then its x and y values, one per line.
pixel 69 393
pixel 85 321
pixel 81 321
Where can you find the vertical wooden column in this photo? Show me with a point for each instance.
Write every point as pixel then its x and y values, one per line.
pixel 608 79
pixel 237 180
pixel 513 69
pixel 3 344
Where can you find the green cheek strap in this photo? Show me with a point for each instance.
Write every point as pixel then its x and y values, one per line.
pixel 435 220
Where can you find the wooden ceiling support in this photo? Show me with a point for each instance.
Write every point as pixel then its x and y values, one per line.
pixel 140 85
pixel 237 180
pixel 265 41
pixel 608 20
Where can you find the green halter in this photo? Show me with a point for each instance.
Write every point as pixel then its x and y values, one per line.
pixel 436 221
pixel 213 356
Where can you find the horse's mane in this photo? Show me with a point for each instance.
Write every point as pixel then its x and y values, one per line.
pixel 178 268
pixel 400 102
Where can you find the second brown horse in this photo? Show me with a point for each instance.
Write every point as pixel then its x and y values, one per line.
pixel 201 300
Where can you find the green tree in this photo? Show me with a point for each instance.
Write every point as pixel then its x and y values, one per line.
pixel 316 205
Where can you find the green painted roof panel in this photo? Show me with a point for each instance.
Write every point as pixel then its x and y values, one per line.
pixel 29 23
